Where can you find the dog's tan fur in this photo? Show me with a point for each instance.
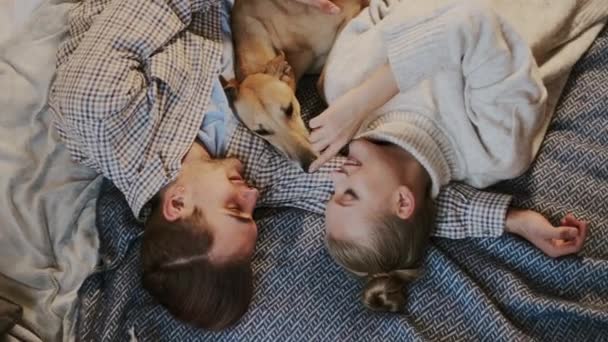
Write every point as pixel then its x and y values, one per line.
pixel 276 43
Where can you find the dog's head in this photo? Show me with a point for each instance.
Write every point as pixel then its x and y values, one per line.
pixel 267 105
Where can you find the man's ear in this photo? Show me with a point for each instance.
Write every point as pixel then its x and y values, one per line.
pixel 230 87
pixel 174 203
pixel 404 202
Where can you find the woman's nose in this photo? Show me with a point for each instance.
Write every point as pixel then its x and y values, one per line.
pixel 337 177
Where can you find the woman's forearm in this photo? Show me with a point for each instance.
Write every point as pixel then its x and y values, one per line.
pixel 378 89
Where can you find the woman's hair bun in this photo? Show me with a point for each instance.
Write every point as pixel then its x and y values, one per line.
pixel 384 291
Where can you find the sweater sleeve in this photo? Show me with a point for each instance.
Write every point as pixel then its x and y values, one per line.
pixel 424 39
pixel 458 35
pixel 504 96
pixel 463 212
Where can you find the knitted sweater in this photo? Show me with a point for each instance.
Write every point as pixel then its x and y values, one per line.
pixel 472 105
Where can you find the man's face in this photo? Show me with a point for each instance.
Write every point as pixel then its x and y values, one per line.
pixel 217 188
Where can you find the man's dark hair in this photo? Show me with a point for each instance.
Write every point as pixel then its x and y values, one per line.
pixel 178 273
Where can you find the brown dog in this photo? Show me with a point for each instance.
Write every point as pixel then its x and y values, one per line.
pixel 276 43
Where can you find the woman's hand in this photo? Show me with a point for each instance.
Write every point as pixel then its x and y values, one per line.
pixel 337 125
pixel 553 241
pixel 327 6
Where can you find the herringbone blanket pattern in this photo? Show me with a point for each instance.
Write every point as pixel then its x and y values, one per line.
pixel 474 290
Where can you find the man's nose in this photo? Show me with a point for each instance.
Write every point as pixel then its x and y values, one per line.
pixel 236 164
pixel 249 198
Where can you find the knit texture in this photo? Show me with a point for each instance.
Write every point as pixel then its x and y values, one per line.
pixel 467 79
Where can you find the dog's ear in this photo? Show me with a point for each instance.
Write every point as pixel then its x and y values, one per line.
pixel 279 68
pixel 223 81
pixel 231 88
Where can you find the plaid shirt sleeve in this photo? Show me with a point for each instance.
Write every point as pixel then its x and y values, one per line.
pixel 281 182
pixel 132 84
pixel 463 211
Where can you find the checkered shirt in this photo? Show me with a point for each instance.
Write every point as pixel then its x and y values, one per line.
pixel 132 82
pixel 463 211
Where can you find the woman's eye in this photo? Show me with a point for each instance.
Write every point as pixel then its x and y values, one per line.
pixel 349 195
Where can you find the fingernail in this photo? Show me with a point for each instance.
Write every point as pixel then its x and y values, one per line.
pixel 334 9
pixel 572 234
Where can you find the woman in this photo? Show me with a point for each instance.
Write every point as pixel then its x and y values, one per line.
pixel 432 92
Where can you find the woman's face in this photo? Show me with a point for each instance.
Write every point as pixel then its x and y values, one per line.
pixel 366 187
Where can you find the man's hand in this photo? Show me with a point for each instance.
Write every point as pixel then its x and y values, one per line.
pixel 324 5
pixel 337 125
pixel 553 241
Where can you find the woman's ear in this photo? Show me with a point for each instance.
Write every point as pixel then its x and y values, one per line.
pixel 404 202
pixel 174 203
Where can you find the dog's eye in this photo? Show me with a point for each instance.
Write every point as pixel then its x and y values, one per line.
pixel 263 131
pixel 289 110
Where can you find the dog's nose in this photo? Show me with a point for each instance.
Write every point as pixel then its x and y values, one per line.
pixel 307 159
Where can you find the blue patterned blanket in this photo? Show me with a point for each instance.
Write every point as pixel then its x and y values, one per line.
pixel 476 289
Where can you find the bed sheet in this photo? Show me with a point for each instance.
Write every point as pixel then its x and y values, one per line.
pixel 48 239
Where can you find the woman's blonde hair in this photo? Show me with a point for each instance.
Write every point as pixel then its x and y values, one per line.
pixel 391 260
